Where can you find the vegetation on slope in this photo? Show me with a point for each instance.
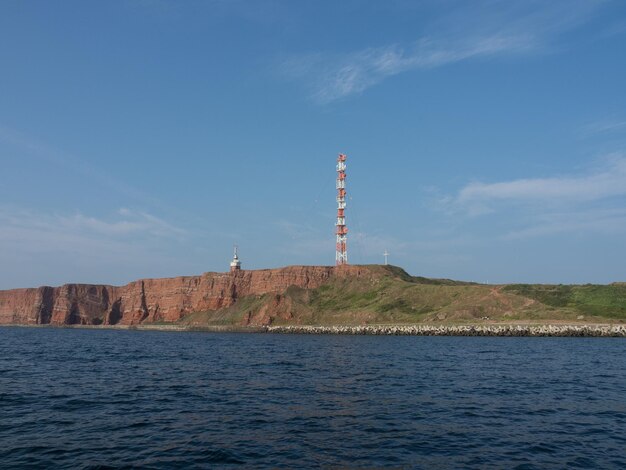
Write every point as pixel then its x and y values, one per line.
pixel 389 295
pixel 598 300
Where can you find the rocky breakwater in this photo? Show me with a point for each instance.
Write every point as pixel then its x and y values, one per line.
pixel 458 330
pixel 151 300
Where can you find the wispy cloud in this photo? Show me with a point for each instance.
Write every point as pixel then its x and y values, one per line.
pixel 590 201
pixel 353 74
pixel 603 221
pixel 32 147
pixel 29 231
pixel 600 183
pixel 605 126
pixel 307 244
pixel 39 247
pixel 461 35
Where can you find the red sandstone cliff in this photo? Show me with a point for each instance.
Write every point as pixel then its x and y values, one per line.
pixel 150 300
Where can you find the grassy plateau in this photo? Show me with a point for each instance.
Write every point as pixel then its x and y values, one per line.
pixel 387 294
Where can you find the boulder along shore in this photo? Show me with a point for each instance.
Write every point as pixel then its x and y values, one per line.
pixel 590 331
pixel 613 331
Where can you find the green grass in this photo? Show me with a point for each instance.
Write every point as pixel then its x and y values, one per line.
pixel 387 294
pixel 227 316
pixel 393 296
pixel 598 300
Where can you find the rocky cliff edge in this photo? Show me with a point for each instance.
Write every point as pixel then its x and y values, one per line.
pixel 154 300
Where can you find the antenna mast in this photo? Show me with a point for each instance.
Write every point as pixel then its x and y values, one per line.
pixel 341 253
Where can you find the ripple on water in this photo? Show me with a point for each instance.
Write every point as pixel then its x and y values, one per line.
pixel 114 399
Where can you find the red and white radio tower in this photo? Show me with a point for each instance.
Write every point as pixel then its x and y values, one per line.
pixel 341 255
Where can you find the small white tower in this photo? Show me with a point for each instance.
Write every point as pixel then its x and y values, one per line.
pixel 386 254
pixel 235 264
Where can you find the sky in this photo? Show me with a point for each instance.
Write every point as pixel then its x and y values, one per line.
pixel 486 140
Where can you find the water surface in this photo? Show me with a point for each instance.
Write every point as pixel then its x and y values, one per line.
pixel 73 398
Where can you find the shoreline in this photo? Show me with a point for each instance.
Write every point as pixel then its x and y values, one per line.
pixel 506 330
pixel 591 330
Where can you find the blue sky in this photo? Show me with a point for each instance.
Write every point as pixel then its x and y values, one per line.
pixel 486 140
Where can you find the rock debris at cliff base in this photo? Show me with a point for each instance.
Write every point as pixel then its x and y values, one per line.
pixel 616 331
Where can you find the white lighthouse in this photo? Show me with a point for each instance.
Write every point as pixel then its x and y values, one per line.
pixel 235 264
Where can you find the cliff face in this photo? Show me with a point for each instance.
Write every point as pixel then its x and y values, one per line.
pixel 156 299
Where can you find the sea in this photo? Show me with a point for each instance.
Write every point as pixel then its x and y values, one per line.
pixel 108 399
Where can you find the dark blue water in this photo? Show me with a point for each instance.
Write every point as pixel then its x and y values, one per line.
pixel 99 398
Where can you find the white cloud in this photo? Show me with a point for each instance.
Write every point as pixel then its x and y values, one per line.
pixel 31 147
pixel 599 184
pixel 603 221
pixel 606 126
pixel 589 202
pixel 470 31
pixel 51 249
pixel 355 73
pixel 27 231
